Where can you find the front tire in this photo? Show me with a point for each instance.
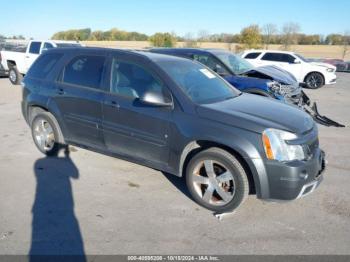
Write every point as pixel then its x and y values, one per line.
pixel 46 133
pixel 15 76
pixel 216 180
pixel 314 80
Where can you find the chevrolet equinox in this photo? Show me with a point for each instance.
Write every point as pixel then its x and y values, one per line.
pixel 174 115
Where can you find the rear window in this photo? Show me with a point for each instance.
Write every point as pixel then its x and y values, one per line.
pixel 44 65
pixel 84 71
pixel 252 55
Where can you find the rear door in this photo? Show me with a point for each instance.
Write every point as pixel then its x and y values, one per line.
pixel 78 95
pixel 32 54
pixel 131 128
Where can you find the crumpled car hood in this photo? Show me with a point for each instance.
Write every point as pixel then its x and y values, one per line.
pixel 257 113
pixel 273 73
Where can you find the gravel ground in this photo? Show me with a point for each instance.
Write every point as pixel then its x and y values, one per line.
pixel 101 205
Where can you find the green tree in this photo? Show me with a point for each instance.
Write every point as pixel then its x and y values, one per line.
pixel 251 37
pixel 163 40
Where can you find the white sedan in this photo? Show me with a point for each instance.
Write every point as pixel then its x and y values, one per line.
pixel 312 74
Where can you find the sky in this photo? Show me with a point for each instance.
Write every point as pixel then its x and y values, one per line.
pixel 41 19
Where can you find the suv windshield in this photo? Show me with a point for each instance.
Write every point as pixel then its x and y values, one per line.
pixel 302 58
pixel 235 63
pixel 198 82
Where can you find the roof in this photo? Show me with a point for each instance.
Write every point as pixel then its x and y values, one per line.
pixel 264 50
pixel 152 56
pixel 192 50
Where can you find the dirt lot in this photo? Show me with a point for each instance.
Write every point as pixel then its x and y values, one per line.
pixel 100 205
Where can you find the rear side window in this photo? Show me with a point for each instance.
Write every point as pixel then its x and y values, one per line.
pixel 278 57
pixel 34 47
pixel 84 71
pixel 43 65
pixel 252 55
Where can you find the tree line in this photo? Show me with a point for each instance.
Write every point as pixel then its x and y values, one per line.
pixel 288 34
pixel 86 34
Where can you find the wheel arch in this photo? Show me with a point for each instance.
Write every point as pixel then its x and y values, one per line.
pixel 312 72
pixel 194 147
pixel 35 108
pixel 11 63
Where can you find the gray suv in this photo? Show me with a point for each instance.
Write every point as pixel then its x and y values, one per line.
pixel 174 115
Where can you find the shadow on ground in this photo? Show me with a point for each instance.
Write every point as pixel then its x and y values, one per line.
pixel 55 229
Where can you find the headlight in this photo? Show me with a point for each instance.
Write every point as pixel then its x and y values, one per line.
pixel 277 88
pixel 330 70
pixel 276 148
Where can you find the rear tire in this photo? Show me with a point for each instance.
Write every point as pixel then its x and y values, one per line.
pixel 47 134
pixel 216 180
pixel 15 76
pixel 314 80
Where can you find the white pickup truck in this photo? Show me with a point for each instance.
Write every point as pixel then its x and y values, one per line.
pixel 16 63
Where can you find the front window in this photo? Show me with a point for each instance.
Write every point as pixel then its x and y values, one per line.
pixel 198 82
pixel 236 64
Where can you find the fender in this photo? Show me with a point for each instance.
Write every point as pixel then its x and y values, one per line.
pixel 247 153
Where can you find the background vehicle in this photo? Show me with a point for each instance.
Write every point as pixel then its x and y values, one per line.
pixel 269 81
pixel 266 81
pixel 17 61
pixel 338 63
pixel 312 74
pixel 348 66
pixel 174 115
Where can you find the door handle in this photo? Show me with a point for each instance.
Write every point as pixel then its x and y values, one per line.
pixel 61 91
pixel 112 104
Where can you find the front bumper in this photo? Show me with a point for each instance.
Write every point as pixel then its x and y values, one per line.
pixel 292 180
pixel 330 79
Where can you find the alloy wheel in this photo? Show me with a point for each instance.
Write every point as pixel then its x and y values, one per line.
pixel 44 134
pixel 213 182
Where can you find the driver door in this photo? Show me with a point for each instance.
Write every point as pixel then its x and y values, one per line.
pixel 131 128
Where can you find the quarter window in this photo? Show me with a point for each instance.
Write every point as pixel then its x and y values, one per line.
pixel 84 71
pixel 132 81
pixel 43 65
pixel 34 47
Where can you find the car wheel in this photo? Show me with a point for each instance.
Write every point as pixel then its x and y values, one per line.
pixel 15 76
pixel 314 80
pixel 46 133
pixel 216 180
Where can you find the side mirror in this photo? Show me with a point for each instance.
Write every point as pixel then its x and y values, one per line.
pixel 155 99
pixel 44 50
pixel 297 61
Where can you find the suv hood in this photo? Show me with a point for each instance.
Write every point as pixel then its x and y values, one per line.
pixel 272 73
pixel 323 65
pixel 256 113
